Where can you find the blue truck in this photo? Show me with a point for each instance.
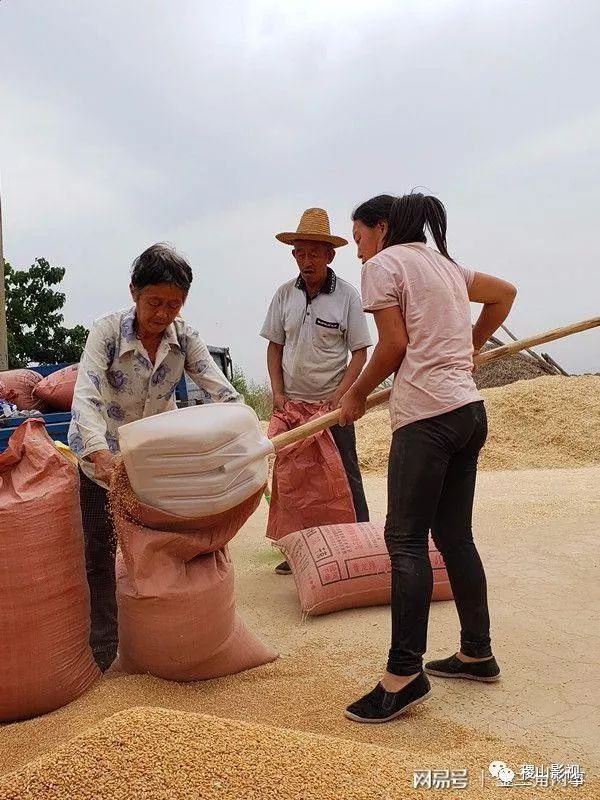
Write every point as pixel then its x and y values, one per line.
pixel 57 424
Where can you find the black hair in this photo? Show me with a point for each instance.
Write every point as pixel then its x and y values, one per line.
pixel 407 218
pixel 160 263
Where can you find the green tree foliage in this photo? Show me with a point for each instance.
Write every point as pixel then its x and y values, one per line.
pixel 257 395
pixel 34 319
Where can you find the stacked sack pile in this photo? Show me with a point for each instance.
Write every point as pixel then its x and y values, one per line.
pixel 45 658
pixel 175 578
pixel 30 391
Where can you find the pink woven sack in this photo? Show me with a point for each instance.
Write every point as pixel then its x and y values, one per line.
pixel 348 566
pixel 310 486
pixel 175 591
pixel 56 390
pixel 20 383
pixel 45 658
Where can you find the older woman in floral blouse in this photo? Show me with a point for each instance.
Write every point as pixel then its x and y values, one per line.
pixel 131 365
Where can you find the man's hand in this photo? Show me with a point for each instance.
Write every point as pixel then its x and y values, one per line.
pixel 353 406
pixel 104 463
pixel 279 401
pixel 335 400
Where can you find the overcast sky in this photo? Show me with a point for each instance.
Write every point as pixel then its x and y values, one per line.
pixel 213 125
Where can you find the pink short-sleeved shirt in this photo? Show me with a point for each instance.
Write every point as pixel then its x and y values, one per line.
pixel 435 376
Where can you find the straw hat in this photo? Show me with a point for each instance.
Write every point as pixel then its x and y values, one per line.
pixel 313 227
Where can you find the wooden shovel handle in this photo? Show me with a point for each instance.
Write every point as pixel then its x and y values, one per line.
pixel 320 423
pixel 377 398
pixel 532 341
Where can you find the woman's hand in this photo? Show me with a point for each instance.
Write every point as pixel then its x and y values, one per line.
pixel 353 406
pixel 474 364
pixel 104 463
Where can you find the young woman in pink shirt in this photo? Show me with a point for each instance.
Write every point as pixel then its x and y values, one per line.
pixel 420 299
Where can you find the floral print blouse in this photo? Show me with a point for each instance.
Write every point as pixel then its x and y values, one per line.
pixel 117 383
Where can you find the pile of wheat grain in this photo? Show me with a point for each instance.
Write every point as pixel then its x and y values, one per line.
pixel 544 423
pixel 519 367
pixel 161 754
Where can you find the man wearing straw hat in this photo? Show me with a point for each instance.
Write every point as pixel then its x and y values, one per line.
pixel 314 323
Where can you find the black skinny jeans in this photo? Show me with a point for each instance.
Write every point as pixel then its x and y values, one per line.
pixel 431 485
pixel 345 440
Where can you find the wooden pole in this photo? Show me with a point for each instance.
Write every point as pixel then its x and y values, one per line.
pixel 377 398
pixel 554 364
pixel 535 356
pixel 3 337
pixel 540 338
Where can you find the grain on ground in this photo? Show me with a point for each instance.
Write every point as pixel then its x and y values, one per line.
pixel 545 423
pixel 161 754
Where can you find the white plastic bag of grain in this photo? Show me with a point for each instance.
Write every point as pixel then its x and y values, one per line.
pixel 196 461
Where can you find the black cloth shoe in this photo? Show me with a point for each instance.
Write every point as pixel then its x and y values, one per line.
pixel 283 568
pixel 382 706
pixel 487 671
